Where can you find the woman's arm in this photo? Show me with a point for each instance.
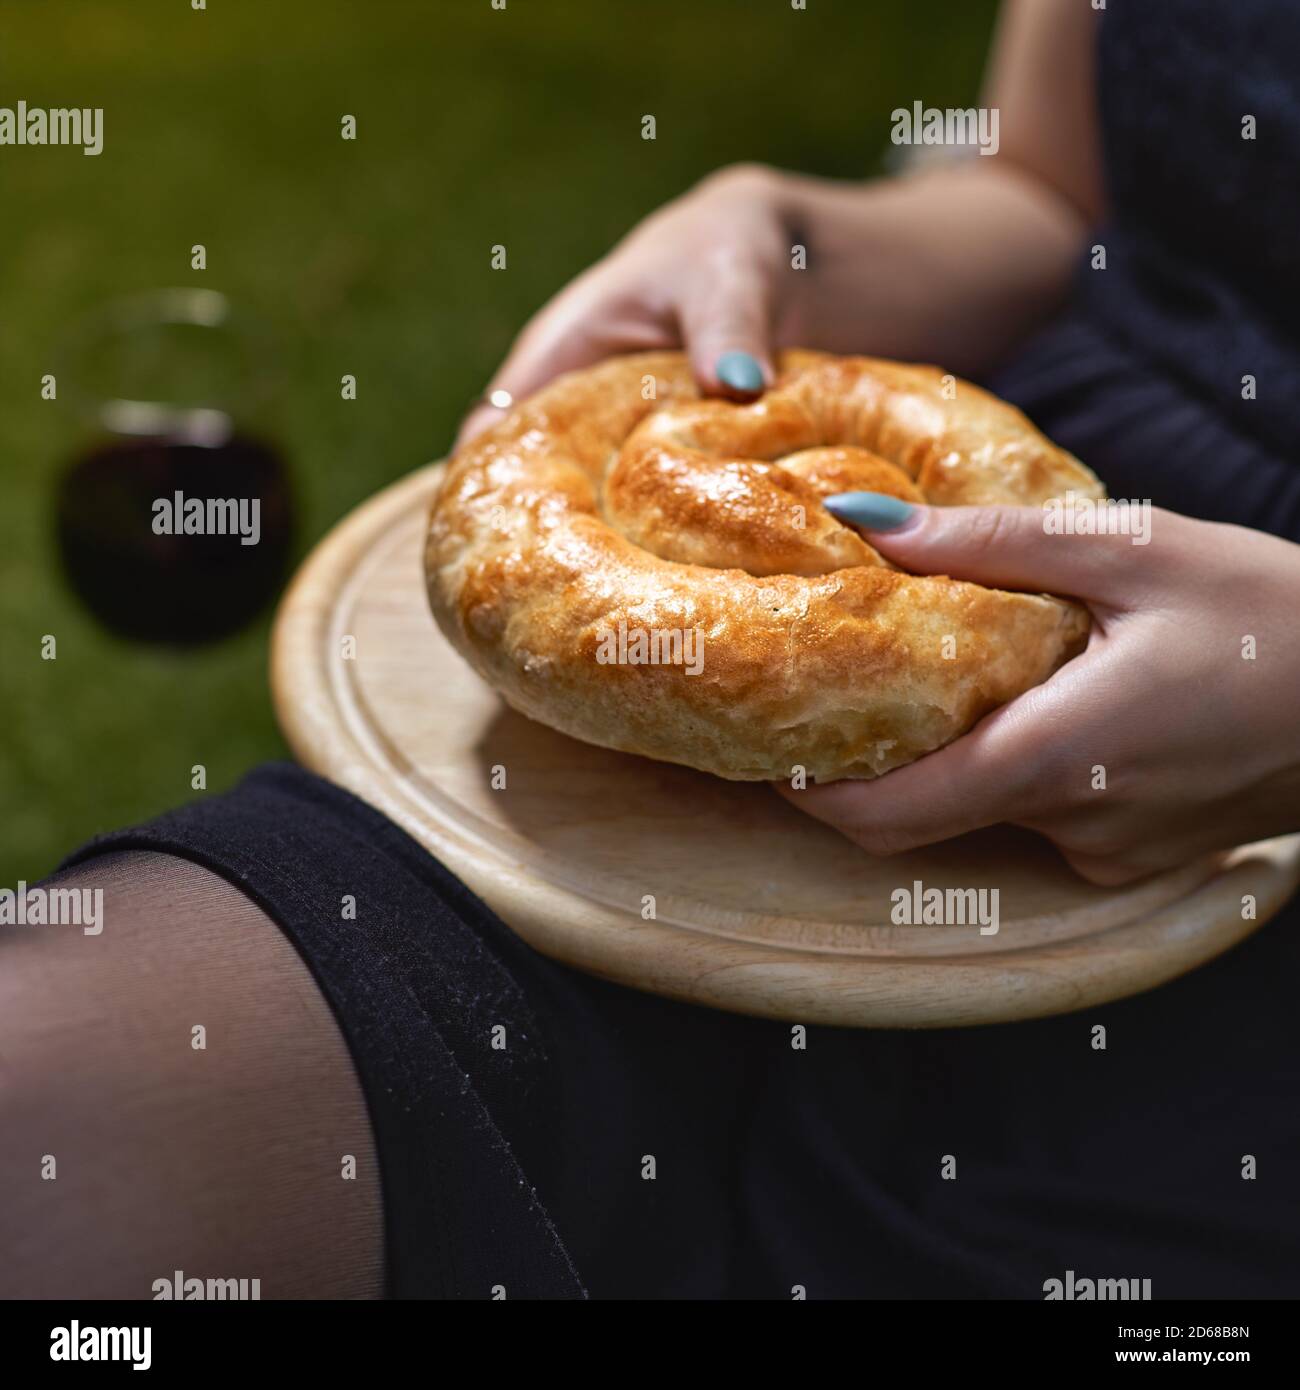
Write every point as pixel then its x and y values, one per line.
pixel 956 264
pixel 950 265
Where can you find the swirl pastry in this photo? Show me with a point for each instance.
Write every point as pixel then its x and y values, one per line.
pixel 654 572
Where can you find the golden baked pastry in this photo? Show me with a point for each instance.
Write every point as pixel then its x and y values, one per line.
pixel 654 572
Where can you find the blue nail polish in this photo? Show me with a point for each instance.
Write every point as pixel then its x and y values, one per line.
pixel 740 371
pixel 873 511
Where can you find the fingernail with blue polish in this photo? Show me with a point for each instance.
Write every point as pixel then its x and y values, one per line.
pixel 873 511
pixel 740 371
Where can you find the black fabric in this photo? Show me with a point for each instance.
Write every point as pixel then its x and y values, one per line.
pixel 775 1167
pixel 416 992
pixel 1143 376
pixel 1202 273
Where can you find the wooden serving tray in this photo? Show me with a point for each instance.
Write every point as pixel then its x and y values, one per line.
pixel 757 909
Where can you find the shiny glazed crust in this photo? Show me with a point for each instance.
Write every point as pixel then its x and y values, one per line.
pixel 617 502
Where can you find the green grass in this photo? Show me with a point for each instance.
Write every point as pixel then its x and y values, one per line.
pixel 475 126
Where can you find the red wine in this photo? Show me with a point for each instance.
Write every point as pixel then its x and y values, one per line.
pixel 173 542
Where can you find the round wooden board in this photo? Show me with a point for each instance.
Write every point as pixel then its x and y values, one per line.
pixel 757 909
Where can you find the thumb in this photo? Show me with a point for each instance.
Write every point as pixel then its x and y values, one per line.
pixel 1005 547
pixel 726 328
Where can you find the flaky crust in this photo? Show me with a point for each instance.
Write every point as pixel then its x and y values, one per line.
pixel 616 501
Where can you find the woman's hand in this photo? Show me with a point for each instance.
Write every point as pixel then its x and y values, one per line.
pixel 704 273
pixel 952 265
pixel 1175 733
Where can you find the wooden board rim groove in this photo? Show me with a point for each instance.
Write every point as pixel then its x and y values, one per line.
pixel 323 725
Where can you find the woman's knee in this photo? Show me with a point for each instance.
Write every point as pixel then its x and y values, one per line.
pixel 175 1095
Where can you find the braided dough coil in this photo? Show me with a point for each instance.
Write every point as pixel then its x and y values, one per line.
pixel 654 572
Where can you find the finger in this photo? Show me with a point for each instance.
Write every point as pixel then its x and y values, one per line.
pixel 1132 845
pixel 1012 547
pixel 726 324
pixel 542 352
pixel 585 324
pixel 480 418
pixel 1104 872
pixel 998 772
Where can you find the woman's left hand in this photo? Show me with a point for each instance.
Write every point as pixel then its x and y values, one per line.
pixel 1175 733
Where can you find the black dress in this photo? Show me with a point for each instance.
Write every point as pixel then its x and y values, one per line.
pixel 823 1168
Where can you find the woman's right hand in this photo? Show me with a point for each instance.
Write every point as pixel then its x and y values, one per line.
pixel 953 265
pixel 709 272
pixel 949 266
